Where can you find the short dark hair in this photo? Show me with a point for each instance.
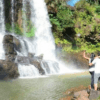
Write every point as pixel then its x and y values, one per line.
pixel 92 56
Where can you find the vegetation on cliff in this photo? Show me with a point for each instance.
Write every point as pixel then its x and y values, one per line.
pixel 76 28
pixel 21 18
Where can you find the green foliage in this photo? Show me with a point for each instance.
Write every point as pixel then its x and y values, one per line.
pixel 65 17
pixel 85 23
pixel 16 29
pixel 61 21
pixel 30 33
pixel 67 46
pixel 30 30
pixel 8 27
pixel 93 2
pixel 90 1
pixel 98 9
pixel 89 9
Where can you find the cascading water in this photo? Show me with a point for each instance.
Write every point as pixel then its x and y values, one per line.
pixel 12 14
pixel 44 41
pixel 24 16
pixel 26 70
pixel 2 30
pixel 34 45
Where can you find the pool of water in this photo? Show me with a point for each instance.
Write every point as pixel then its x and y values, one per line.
pixel 45 88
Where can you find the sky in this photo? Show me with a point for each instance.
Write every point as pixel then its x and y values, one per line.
pixel 72 2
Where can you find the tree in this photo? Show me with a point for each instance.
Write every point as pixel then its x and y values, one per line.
pixel 93 1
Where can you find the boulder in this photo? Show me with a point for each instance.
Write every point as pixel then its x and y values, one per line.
pixel 17 44
pixel 10 53
pixel 23 60
pixel 8 39
pixel 9 48
pixel 10 57
pixel 31 55
pixel 37 64
pixel 85 95
pixel 94 95
pixel 9 69
pixel 40 57
pixel 81 95
pixel 29 60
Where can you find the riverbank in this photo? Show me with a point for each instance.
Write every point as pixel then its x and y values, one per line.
pixel 70 92
pixel 81 92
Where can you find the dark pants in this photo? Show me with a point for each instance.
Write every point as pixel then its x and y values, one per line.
pixel 92 79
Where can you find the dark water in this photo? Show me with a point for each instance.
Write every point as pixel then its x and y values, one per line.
pixel 49 88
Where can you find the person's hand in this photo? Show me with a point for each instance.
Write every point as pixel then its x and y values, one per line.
pixel 85 56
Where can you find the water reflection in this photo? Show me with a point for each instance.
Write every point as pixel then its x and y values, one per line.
pixel 47 88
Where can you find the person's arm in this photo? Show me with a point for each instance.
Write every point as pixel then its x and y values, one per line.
pixel 85 56
pixel 90 64
pixel 93 62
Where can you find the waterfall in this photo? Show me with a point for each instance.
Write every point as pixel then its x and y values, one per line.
pixel 24 16
pixel 28 71
pixel 12 14
pixel 44 41
pixel 2 29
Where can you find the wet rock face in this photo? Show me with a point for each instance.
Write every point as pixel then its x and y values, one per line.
pixel 23 60
pixel 38 65
pixel 17 7
pixel 11 44
pixel 8 69
pixel 8 45
pixel 17 44
pixel 29 60
pixel 7 6
pixel 17 14
pixel 31 55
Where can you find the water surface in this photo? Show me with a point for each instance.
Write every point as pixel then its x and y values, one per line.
pixel 46 88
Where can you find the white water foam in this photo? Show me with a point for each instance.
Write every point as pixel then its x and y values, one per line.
pixel 43 41
pixel 12 14
pixel 24 16
pixel 28 71
pixel 2 30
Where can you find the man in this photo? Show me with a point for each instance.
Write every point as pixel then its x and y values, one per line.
pixel 96 62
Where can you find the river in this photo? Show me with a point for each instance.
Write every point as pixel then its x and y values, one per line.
pixel 44 88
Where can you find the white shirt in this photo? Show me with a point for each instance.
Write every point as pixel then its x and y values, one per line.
pixel 92 68
pixel 97 65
